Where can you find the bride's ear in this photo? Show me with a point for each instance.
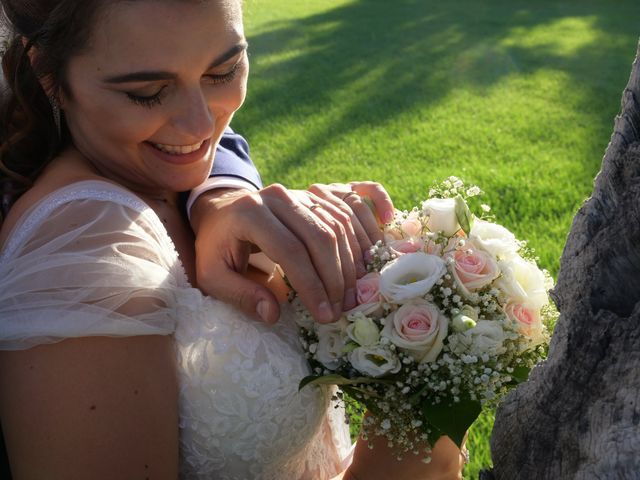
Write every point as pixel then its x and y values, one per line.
pixel 47 82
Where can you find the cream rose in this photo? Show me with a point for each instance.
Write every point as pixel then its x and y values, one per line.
pixel 523 282
pixel 494 238
pixel 417 328
pixel 473 269
pixel 331 342
pixel 411 226
pixel 411 275
pixel 374 361
pixel 363 331
pixel 442 215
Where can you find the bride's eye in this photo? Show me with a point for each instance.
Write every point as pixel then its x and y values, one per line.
pixel 146 100
pixel 216 79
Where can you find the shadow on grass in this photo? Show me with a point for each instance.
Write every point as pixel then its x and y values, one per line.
pixel 372 60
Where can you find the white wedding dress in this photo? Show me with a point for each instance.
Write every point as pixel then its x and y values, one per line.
pixel 80 262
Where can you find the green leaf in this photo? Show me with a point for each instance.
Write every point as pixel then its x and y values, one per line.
pixel 451 418
pixel 520 374
pixel 463 215
pixel 335 379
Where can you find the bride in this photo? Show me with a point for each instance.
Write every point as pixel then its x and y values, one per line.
pixel 114 365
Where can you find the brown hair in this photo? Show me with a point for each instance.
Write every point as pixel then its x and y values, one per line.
pixel 29 137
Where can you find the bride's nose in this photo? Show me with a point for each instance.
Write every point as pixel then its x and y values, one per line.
pixel 193 115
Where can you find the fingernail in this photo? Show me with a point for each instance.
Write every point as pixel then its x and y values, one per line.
pixel 262 309
pixel 388 216
pixel 325 313
pixel 337 309
pixel 350 299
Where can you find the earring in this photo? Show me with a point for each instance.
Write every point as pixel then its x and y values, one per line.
pixel 55 110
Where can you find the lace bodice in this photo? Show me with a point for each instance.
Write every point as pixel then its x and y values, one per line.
pixel 241 415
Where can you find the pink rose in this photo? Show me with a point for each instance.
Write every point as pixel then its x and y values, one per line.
pixel 418 328
pixel 409 245
pixel 527 319
pixel 368 288
pixel 473 268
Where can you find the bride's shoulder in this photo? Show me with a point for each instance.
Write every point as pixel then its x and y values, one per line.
pixel 60 176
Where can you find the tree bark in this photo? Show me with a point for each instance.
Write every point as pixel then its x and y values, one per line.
pixel 578 416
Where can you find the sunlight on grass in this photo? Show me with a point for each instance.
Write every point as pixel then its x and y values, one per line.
pixel 562 37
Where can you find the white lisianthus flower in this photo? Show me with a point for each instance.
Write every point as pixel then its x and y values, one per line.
pixel 418 328
pixel 494 238
pixel 442 215
pixel 411 275
pixel 374 361
pixel 523 282
pixel 331 342
pixel 363 331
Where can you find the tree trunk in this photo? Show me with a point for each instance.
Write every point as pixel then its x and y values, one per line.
pixel 578 416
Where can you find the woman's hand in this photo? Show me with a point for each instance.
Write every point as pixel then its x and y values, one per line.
pixel 318 239
pixel 447 462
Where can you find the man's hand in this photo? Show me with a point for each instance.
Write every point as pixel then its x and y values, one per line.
pixel 317 239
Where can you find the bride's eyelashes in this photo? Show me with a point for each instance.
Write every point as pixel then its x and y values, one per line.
pixel 146 100
pixel 211 79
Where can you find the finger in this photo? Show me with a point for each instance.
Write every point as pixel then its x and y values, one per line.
pixel 246 295
pixel 355 234
pixel 335 219
pixel 378 196
pixel 320 239
pixel 304 247
pixel 366 217
pixel 354 229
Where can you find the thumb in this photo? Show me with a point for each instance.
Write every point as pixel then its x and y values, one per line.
pixel 246 295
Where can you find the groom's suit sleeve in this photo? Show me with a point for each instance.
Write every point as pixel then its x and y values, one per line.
pixel 232 168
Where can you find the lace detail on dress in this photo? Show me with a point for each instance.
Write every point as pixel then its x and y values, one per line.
pixel 241 415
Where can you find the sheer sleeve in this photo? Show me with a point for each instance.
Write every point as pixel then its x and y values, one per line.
pixel 83 262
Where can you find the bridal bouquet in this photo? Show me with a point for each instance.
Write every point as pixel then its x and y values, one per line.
pixel 450 316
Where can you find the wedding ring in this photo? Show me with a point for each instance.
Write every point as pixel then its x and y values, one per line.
pixel 349 194
pixel 314 206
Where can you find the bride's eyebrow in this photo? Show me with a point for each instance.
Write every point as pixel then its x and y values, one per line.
pixel 153 75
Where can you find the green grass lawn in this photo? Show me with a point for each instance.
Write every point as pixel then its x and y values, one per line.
pixel 518 97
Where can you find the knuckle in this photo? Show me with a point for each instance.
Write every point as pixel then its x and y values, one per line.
pixel 326 235
pixel 250 202
pixel 277 189
pixel 316 187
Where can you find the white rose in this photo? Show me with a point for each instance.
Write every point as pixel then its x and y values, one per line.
pixel 442 215
pixel 363 331
pixel 331 342
pixel 523 282
pixel 411 275
pixel 494 238
pixel 418 328
pixel 374 361
pixel 487 337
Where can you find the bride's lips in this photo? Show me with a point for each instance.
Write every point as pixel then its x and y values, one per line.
pixel 172 156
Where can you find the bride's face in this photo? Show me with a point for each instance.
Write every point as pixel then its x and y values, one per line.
pixel 151 95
